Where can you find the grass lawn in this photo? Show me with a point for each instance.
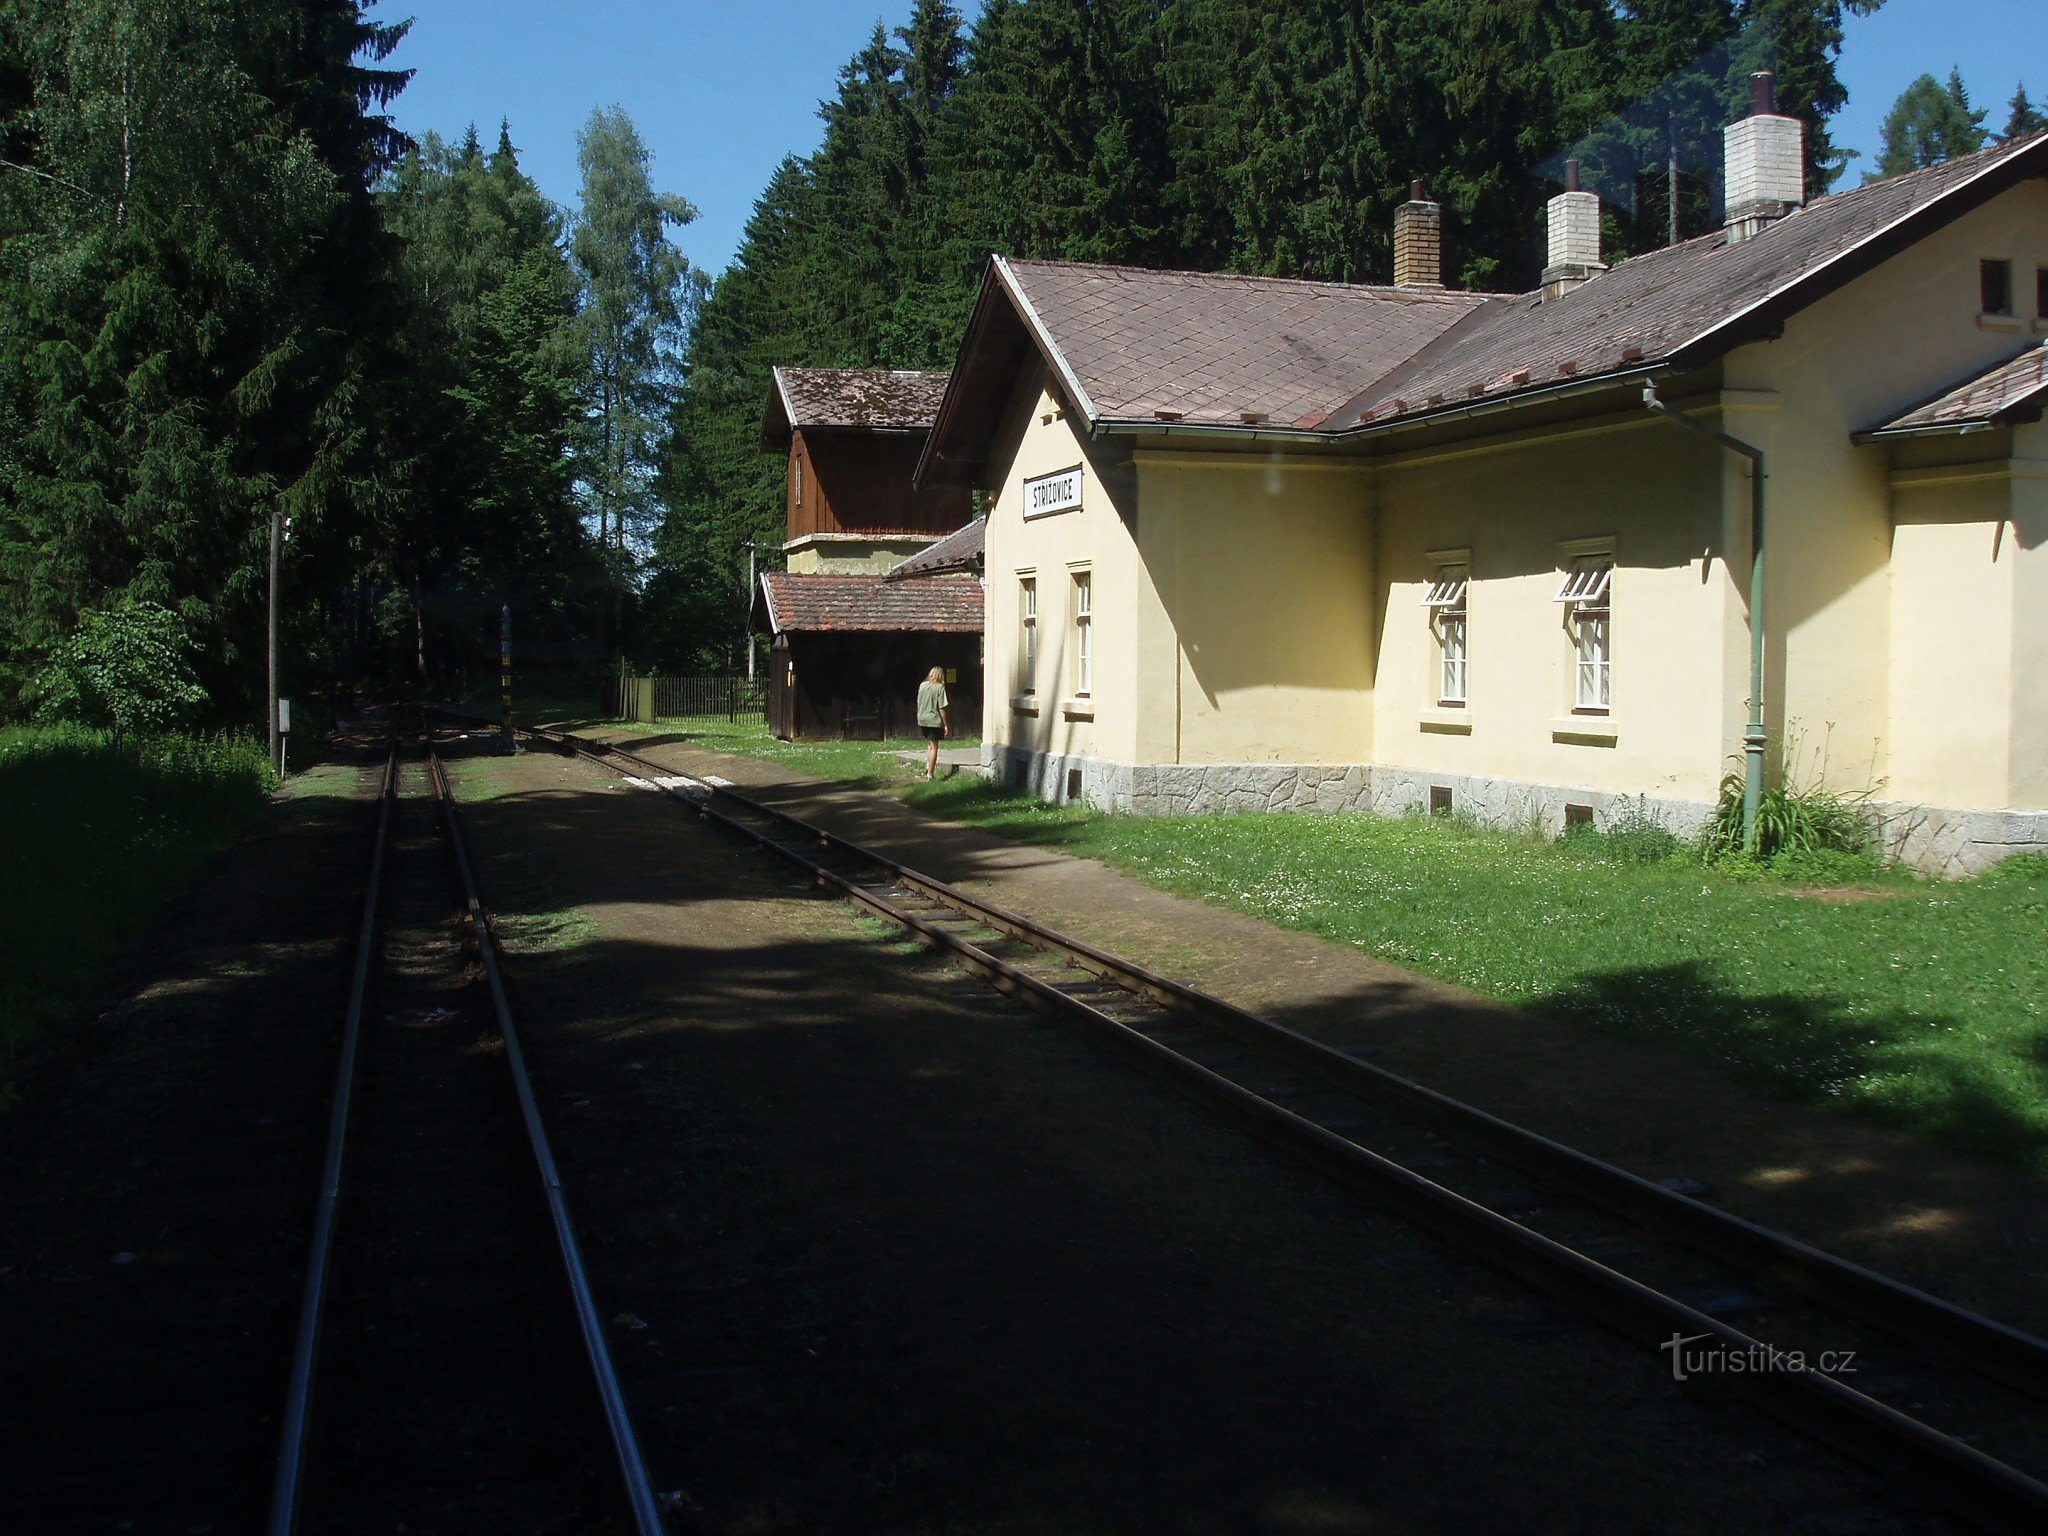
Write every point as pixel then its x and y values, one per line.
pixel 878 764
pixel 1925 1004
pixel 94 839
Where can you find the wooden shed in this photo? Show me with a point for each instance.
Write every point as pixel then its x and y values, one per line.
pixel 849 646
pixel 850 649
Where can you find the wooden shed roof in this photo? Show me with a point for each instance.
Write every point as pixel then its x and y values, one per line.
pixel 805 602
pixel 849 400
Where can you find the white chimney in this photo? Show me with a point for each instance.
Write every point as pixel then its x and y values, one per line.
pixel 1574 237
pixel 1766 163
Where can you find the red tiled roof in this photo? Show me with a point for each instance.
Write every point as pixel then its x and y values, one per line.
pixel 870 399
pixel 813 601
pixel 2008 391
pixel 959 550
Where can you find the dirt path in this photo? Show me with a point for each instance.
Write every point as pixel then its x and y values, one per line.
pixel 156 1191
pixel 1951 1223
pixel 886 1253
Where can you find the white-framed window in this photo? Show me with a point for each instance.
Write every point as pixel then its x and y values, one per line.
pixel 1445 602
pixel 1589 620
pixel 796 474
pixel 1027 634
pixel 1084 634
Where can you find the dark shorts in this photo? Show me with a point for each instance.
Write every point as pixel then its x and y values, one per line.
pixel 933 732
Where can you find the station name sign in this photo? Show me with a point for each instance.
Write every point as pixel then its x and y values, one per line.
pixel 1057 492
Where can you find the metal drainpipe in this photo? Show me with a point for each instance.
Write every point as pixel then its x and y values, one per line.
pixel 1755 737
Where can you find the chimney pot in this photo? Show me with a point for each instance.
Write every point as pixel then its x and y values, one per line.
pixel 1571 175
pixel 1418 241
pixel 1763 91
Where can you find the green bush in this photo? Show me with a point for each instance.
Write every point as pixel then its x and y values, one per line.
pixel 1790 822
pixel 95 835
pixel 126 670
pixel 1636 836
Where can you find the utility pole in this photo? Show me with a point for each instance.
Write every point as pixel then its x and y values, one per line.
pixel 1671 177
pixel 747 623
pixel 270 689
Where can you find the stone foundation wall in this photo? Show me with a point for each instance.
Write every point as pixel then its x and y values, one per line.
pixel 1950 844
pixel 1929 839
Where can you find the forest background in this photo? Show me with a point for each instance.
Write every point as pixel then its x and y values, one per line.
pixel 232 294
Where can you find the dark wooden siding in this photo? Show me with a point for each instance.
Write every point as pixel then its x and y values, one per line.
pixel 859 482
pixel 864 686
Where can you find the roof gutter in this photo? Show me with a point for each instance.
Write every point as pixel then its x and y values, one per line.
pixel 1754 738
pixel 1943 429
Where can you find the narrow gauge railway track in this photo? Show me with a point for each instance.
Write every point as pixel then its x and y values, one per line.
pixel 436 1380
pixel 1645 1260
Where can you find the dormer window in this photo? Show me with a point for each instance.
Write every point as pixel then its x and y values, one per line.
pixel 1995 282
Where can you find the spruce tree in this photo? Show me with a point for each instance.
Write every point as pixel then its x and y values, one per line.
pixel 2022 116
pixel 486 512
pixel 182 356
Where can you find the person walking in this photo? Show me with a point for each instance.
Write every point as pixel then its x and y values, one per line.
pixel 934 717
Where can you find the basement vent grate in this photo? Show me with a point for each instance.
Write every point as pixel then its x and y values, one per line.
pixel 1073 784
pixel 1577 816
pixel 1439 800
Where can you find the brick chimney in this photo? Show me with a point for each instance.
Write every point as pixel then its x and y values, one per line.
pixel 1765 162
pixel 1574 245
pixel 1418 241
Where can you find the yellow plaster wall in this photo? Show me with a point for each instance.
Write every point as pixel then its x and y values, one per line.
pixel 1258 578
pixel 1657 493
pixel 1898 333
pixel 1952 656
pixel 2029 535
pixel 855 556
pixel 1269 610
pixel 1037 438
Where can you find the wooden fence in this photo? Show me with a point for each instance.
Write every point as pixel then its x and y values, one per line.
pixel 648 699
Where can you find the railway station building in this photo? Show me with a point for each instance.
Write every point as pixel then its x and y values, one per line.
pixel 849 643
pixel 1261 544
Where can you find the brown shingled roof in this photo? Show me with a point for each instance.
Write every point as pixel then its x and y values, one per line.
pixel 814 601
pixel 958 551
pixel 1676 306
pixel 848 399
pixel 1172 350
pixel 2014 390
pixel 1214 347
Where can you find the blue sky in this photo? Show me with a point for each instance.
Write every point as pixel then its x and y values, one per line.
pixel 722 91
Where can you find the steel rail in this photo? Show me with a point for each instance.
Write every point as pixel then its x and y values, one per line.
pixel 1991 1348
pixel 291 1455
pixel 1979 1487
pixel 2016 1358
pixel 639 1486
